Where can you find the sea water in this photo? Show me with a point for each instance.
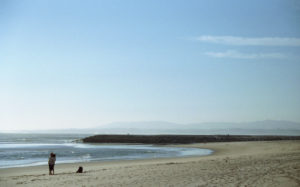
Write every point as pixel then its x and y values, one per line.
pixel 18 150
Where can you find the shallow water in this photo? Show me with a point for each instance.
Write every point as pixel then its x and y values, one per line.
pixel 18 150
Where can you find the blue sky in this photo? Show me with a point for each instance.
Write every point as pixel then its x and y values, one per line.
pixel 86 63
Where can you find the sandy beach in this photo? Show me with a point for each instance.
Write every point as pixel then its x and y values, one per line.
pixel 264 163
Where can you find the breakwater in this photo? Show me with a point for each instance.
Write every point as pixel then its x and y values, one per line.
pixel 180 139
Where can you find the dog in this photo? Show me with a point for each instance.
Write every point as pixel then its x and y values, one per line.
pixel 80 169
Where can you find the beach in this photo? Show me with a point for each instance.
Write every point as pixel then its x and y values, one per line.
pixel 259 163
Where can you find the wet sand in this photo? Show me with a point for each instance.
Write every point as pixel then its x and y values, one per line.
pixel 261 163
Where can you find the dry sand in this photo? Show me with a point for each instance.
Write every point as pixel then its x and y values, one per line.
pixel 275 163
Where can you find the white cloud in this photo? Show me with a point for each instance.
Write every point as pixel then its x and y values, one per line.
pixel 238 55
pixel 250 41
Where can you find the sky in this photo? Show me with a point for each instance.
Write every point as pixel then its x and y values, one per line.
pixel 79 64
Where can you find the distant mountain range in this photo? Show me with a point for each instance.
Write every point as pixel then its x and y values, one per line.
pixel 267 127
pixel 267 124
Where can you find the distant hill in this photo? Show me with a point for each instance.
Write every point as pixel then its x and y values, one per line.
pixel 267 124
pixel 267 127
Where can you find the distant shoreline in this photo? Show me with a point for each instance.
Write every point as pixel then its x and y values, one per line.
pixel 180 139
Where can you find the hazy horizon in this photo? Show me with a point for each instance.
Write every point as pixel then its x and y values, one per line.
pixel 82 64
pixel 157 127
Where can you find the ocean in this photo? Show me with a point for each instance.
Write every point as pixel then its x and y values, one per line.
pixel 19 150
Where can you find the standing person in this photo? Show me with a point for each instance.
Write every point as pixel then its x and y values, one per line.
pixel 51 163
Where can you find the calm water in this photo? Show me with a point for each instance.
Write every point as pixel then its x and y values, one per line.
pixel 17 150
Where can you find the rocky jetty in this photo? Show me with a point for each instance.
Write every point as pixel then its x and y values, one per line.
pixel 180 139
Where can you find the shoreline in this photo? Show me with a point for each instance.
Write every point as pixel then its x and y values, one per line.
pixel 262 163
pixel 179 152
pixel 106 161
